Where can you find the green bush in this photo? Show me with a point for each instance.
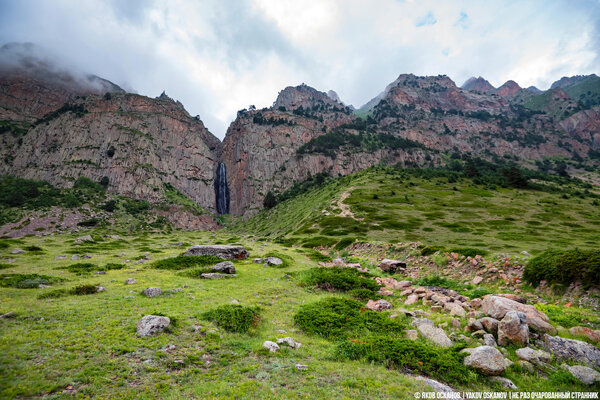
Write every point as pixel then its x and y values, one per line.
pixel 564 267
pixel 184 262
pixel 337 318
pixel 195 272
pixel 5 266
pixel 35 249
pixel 233 317
pixel 469 251
pixel 89 222
pixel 364 294
pixel 444 364
pixel 315 255
pixel 86 183
pixel 569 317
pixel 336 278
pixel 109 206
pixel 83 290
pixel 81 268
pixel 429 250
pixel 319 241
pixel 343 243
pixel 26 281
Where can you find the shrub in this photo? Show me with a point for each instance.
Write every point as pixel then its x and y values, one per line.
pixel 82 290
pixel 364 294
pixel 319 241
pixel 81 268
pixel 336 317
pixel 35 249
pixel 233 317
pixel 343 243
pixel 184 262
pixel 5 266
pixel 564 267
pixel 444 364
pixel 270 200
pixel 429 250
pixel 195 272
pixel 86 183
pixel 52 294
pixel 569 317
pixel 26 281
pixel 89 222
pixel 317 256
pixel 336 278
pixel 469 251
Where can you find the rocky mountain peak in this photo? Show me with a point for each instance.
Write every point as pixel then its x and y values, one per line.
pixel 294 97
pixel 566 81
pixel 477 84
pixel 509 89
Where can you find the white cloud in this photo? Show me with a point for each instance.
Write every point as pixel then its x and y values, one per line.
pixel 217 57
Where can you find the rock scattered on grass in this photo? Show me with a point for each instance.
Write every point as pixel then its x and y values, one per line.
pixel 271 346
pixel 585 375
pixel 289 342
pixel 378 305
pixel 152 291
pixel 17 251
pixel 130 281
pixel 497 307
pixel 225 267
pixel 222 251
pixel 486 360
pixel 301 367
pixel 513 329
pixel 84 239
pixel 573 350
pixel 152 324
pixel 504 382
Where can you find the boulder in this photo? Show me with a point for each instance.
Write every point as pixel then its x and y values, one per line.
pixel 526 365
pixel 17 251
pixel 490 325
pixel 290 342
pixel 504 382
pixel 130 281
pixel 412 299
pixel 585 375
pixel 477 280
pixel 532 356
pixel 222 251
pixel 215 275
pixel 486 360
pixel 225 267
pixel 512 296
pixel 273 261
pixel 84 239
pixel 497 307
pixel 378 305
pixel 513 329
pixel 488 340
pixel 439 387
pixel 152 291
pixel 590 334
pixel 271 346
pixel 411 334
pixel 436 335
pixel 392 266
pixel 151 324
pixel 573 350
pixel 455 309
pixel 474 325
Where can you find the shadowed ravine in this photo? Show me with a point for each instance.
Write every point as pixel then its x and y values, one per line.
pixel 222 190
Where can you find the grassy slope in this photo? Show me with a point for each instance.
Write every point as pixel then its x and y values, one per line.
pixel 435 212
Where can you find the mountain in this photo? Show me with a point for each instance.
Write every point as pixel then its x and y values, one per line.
pixel 508 90
pixel 57 125
pixel 478 85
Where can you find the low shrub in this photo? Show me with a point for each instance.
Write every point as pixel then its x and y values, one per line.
pixel 336 278
pixel 569 317
pixel 81 268
pixel 429 250
pixel 444 364
pixel 343 243
pixel 319 241
pixel 233 317
pixel 564 267
pixel 462 288
pixel 195 272
pixel 53 294
pixel 469 251
pixel 184 262
pixel 316 256
pixel 89 222
pixel 83 290
pixel 337 318
pixel 34 249
pixel 5 266
pixel 364 294
pixel 26 281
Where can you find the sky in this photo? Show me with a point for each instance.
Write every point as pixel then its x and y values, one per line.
pixel 220 56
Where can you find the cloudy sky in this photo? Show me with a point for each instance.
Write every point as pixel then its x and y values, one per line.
pixel 219 56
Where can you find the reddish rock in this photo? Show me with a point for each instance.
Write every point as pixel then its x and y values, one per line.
pixel 497 307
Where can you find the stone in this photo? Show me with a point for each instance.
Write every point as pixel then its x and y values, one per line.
pixel 151 324
pixel 17 251
pixel 436 335
pixel 301 367
pixel 392 266
pixel 590 334
pixel 75 258
pixel 385 292
pixel 475 303
pixel 490 325
pixel 130 281
pixel 528 354
pixel 585 375
pixel 84 239
pixel 486 360
pixel 100 289
pixel 474 325
pixel 573 350
pixel 513 297
pixel 271 346
pixel 222 251
pixel 526 365
pixel 477 280
pixel 152 292
pixel 42 286
pixel 488 340
pixel 214 275
pixel 60 257
pixel 411 334
pixel 225 267
pixel 455 309
pixel 478 334
pixel 257 260
pixel 497 307
pixel 290 342
pixel 504 382
pixel 273 261
pixel 513 329
pixel 378 305
pixel 439 387
pixel 403 284
pixel 412 299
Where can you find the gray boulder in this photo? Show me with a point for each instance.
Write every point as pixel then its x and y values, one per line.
pixel 436 335
pixel 488 340
pixel 533 356
pixel 490 324
pixel 17 251
pixel 504 382
pixel 497 307
pixel 289 342
pixel 273 261
pixel 513 329
pixel 130 281
pixel 225 267
pixel 222 251
pixel 84 239
pixel 585 375
pixel 271 346
pixel 392 266
pixel 486 360
pixel 216 275
pixel 151 324
pixel 152 292
pixel 573 350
